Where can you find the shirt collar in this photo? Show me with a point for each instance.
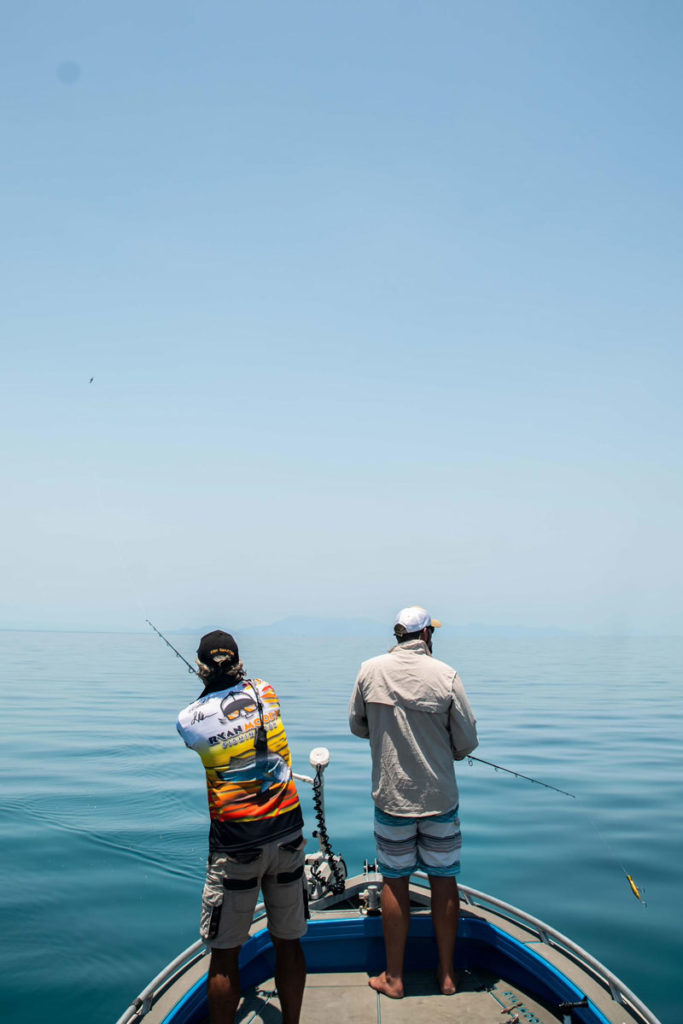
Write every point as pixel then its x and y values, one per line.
pixel 414 646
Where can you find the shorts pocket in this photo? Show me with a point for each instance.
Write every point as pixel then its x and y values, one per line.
pixel 212 898
pixel 284 891
pixel 245 856
pixel 241 881
pixel 294 845
pixel 290 861
pixel 240 895
pixel 210 920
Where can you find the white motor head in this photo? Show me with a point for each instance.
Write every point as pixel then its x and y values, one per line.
pixel 319 757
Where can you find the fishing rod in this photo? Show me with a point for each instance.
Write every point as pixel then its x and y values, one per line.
pixel 518 775
pixel 190 668
pixel 319 759
pixel 470 758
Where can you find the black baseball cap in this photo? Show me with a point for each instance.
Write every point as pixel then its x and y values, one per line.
pixel 217 645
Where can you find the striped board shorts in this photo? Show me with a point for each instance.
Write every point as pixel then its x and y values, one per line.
pixel 405 845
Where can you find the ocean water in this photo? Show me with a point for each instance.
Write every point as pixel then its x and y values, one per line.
pixel 103 817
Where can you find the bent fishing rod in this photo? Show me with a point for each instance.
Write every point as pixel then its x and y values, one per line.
pixel 190 668
pixel 518 775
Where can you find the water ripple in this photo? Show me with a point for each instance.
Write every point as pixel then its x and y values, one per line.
pixel 106 807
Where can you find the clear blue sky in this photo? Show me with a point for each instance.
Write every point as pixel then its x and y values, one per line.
pixel 382 302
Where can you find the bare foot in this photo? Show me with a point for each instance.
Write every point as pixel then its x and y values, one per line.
pixel 391 987
pixel 447 983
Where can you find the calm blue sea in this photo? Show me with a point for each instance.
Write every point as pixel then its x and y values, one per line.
pixel 103 811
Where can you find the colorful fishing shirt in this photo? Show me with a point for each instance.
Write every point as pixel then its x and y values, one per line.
pixel 252 795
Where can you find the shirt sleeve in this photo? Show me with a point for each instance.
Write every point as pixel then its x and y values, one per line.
pixel 182 733
pixel 266 694
pixel 461 722
pixel 358 715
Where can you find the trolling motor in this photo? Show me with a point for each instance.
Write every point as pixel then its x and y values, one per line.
pixel 325 871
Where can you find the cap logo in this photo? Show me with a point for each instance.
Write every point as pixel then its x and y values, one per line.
pixel 221 650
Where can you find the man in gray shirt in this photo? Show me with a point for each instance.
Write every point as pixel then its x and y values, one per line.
pixel 414 710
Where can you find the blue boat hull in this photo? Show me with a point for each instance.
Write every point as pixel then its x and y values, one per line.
pixel 357 944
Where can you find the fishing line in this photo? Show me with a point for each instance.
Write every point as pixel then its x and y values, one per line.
pixel 635 889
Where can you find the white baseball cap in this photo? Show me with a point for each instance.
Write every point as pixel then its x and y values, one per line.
pixel 415 619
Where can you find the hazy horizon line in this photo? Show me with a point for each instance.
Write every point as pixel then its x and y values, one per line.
pixel 309 625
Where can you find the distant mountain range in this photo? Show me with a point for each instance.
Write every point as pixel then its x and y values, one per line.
pixel 306 626
pixel 303 625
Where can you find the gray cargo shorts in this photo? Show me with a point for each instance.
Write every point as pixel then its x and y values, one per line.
pixel 232 887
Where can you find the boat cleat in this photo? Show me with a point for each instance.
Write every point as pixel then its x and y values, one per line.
pixel 370 901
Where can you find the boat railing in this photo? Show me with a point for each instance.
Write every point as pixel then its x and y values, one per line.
pixel 165 978
pixel 551 937
pixel 469 897
pixel 338 888
pixel 143 1003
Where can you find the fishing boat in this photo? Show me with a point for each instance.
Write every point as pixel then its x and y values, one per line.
pixel 512 967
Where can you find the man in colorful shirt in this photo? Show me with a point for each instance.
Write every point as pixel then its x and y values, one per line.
pixel 415 712
pixel 255 838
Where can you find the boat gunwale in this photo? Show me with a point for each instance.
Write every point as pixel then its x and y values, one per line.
pixel 545 934
pixel 554 939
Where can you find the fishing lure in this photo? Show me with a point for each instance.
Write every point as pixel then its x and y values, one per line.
pixel 636 891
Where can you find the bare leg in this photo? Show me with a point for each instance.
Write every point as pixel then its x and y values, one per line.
pixel 224 985
pixel 445 914
pixel 395 922
pixel 290 977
